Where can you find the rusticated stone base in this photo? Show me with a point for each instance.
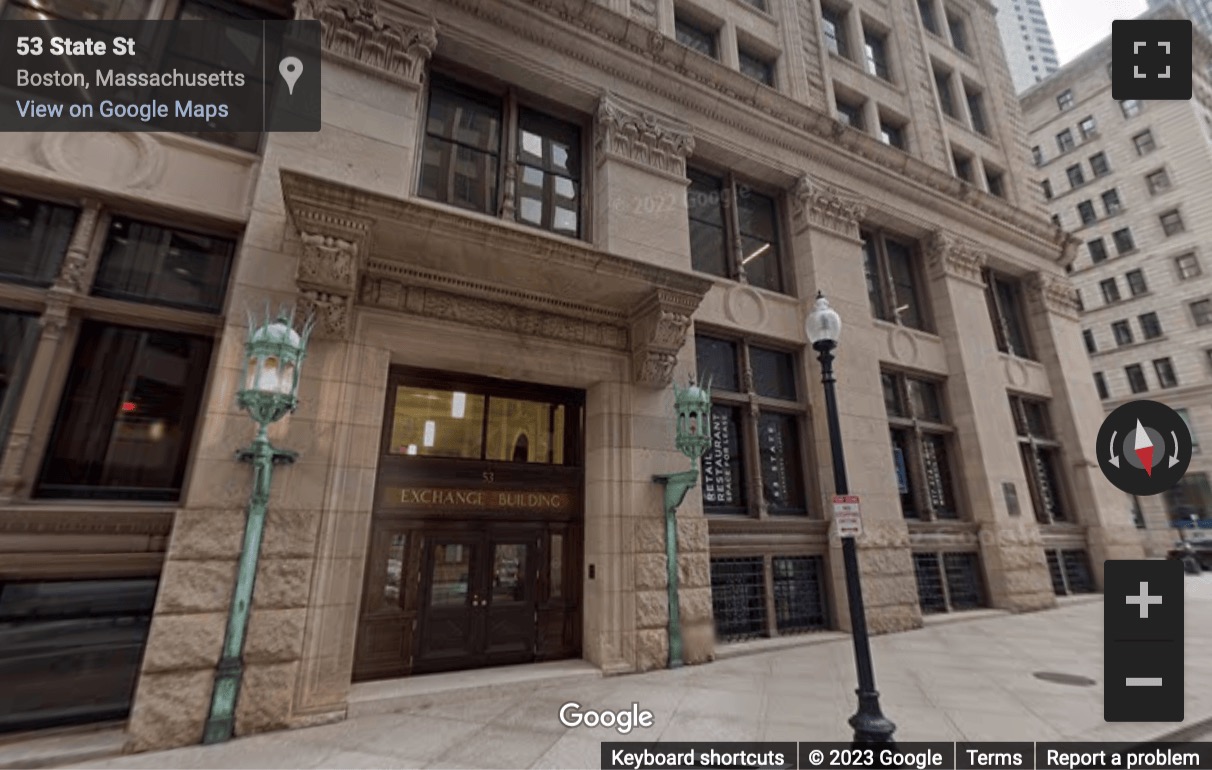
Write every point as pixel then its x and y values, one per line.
pixel 171 710
pixel 652 593
pixel 886 573
pixel 1112 543
pixel 1017 568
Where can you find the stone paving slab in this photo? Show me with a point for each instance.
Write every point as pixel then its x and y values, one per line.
pixel 955 681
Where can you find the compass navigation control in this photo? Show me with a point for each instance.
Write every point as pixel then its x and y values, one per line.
pixel 1144 447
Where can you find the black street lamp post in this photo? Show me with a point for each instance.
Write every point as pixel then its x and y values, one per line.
pixel 870 725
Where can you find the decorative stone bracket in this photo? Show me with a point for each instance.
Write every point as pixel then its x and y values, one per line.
pixel 954 257
pixel 334 249
pixel 355 32
pixel 638 136
pixel 1056 294
pixel 817 204
pixel 658 332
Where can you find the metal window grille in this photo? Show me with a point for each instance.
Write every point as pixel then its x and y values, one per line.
pixel 1056 572
pixel 930 594
pixel 738 598
pixel 799 596
pixel 964 587
pixel 1077 572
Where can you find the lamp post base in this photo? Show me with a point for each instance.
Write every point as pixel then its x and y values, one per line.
pixel 869 723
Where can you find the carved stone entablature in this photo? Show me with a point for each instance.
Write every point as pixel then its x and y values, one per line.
pixel 952 256
pixel 333 248
pixel 639 136
pixel 658 332
pixel 354 31
pixel 390 294
pixel 1056 294
pixel 820 205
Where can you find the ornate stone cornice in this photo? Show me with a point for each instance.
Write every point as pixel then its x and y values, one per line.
pixel 955 257
pixel 628 132
pixel 817 204
pixel 355 32
pixel 1057 294
pixel 658 332
pixel 389 294
pixel 333 247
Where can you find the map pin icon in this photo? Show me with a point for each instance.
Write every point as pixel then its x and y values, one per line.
pixel 290 68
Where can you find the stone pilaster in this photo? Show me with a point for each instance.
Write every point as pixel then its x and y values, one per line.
pixel 1077 413
pixel 827 246
pixel 985 449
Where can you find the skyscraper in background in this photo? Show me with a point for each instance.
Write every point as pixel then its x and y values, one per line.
pixel 1028 41
pixel 1200 12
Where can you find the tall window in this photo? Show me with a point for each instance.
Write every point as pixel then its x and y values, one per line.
pixel 1201 312
pixel 1150 325
pixel 893 135
pixel 850 114
pixel 1111 202
pixel 946 100
pixel 875 45
pixel 1098 250
pixel 1136 282
pixel 1064 140
pixel 1110 290
pixel 1085 210
pixel 33 239
pixel 747 444
pixel 1088 127
pixel 921 439
pixel 1131 107
pixel 1047 187
pixel 1136 378
pixel 1172 222
pixel 465 154
pixel 1099 164
pixel 1144 143
pixel 1041 454
pixel 1166 378
pixel 1188 266
pixel 1122 332
pixel 1124 242
pixel 1076 177
pixel 929 20
pixel 1004 296
pixel 833 24
pixel 147 263
pixel 1037 154
pixel 976 112
pixel 959 33
pixel 1100 384
pixel 1088 339
pixel 963 167
pixel 722 212
pixel 18 335
pixel 696 36
pixel 894 285
pixel 1065 100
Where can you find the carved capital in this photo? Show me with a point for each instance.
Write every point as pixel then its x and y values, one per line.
pixel 1056 294
pixel 819 205
pixel 330 311
pixel 333 248
pixel 355 31
pixel 953 257
pixel 54 317
pixel 639 136
pixel 658 332
pixel 327 262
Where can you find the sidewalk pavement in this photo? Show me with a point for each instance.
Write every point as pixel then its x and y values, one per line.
pixel 970 679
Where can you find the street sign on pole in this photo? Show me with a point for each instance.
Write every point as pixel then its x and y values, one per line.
pixel 848 515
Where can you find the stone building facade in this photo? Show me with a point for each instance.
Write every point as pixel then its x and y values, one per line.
pixel 1128 179
pixel 520 223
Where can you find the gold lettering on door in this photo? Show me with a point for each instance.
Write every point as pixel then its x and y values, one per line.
pixel 474 498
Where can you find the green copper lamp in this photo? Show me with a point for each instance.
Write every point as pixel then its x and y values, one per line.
pixel 693 407
pixel 274 354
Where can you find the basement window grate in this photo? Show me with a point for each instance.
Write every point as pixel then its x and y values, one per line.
pixel 799 594
pixel 948 582
pixel 738 598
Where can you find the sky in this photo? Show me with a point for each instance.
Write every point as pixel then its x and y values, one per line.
pixel 1078 24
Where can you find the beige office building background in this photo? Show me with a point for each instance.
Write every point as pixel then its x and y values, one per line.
pixel 520 223
pixel 1129 179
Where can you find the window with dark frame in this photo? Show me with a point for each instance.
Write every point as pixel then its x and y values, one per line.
pixel 1047 187
pixel 850 114
pixel 948 582
pixel 1100 385
pixel 19 333
pixel 1172 222
pixel 1144 143
pixel 1088 339
pixel 34 235
pixel 1111 202
pixel 833 25
pixel 1188 266
pixel 1097 249
pixel 1086 212
pixel 963 168
pixel 1099 164
pixel 1076 177
pixel 1122 332
pixel 756 66
pixel 1201 312
pixel 995 182
pixel 1037 154
pixel 144 262
pixel 1136 378
pixel 1136 282
pixel 1065 100
pixel 1088 127
pixel 1131 107
pixel 893 135
pixel 1007 312
pixel 1064 141
pixel 894 286
pixel 762 444
pixel 1041 456
pixel 1150 325
pixel 1124 242
pixel 959 32
pixel 695 36
pixel 1158 181
pixel 875 46
pixel 1110 290
pixel 1166 378
pixel 921 446
pixel 723 212
pixel 976 111
pixel 925 9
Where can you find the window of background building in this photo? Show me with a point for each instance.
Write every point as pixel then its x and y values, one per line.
pixel 1188 266
pixel 946 98
pixel 1131 107
pixel 921 438
pixel 1065 100
pixel 1097 249
pixel 1088 338
pixel 1004 297
pixel 1158 181
pixel 833 23
pixel 1136 282
pixel 746 443
pixel 925 9
pixel 1186 415
pixel 1041 455
pixel 1081 303
pixel 875 45
pixel 894 285
pixel 1122 332
pixel 1110 290
pixel 850 114
pixel 1124 242
pixel 1150 326
pixel 1064 140
pixel 1144 143
pixel 1111 202
pixel 1037 155
pixel 724 211
pixel 1192 496
pixel 756 66
pixel 1100 384
pixel 1076 177
pixel 696 36
pixel 1136 378
pixel 1047 187
pixel 1172 222
pixel 1086 212
pixel 1166 378
pixel 1201 312
pixel 1088 127
pixel 1099 164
